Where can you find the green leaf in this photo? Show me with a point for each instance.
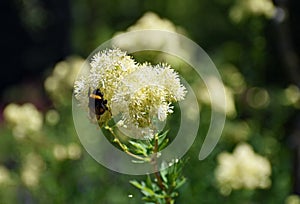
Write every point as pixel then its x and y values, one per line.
pixel 180 182
pixel 144 189
pixel 139 148
pixel 149 200
pixel 162 137
pixel 163 144
pixel 136 184
pixel 164 172
pixel 149 181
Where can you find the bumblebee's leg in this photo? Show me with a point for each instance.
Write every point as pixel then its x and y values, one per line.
pixel 102 108
pixel 98 117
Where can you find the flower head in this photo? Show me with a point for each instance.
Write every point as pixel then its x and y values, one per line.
pixel 61 81
pixel 32 168
pixel 139 93
pixel 5 177
pixel 292 199
pixel 242 169
pixel 108 67
pixel 147 93
pixel 25 119
pixel 246 8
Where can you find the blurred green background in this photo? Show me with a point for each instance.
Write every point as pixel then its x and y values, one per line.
pixel 255 45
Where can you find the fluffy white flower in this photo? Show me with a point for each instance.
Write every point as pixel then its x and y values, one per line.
pixel 25 119
pixel 146 94
pixel 108 67
pixel 251 7
pixel 5 177
pixel 242 169
pixel 61 80
pixel 292 199
pixel 163 111
pixel 155 40
pixel 137 93
pixel 31 170
pixel 151 20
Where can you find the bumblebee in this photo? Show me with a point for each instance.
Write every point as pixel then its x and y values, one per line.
pixel 97 104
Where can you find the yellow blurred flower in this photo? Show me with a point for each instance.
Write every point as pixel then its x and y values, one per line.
pixel 204 97
pixel 74 151
pixel 4 176
pixel 251 7
pixel 60 152
pixel 233 78
pixel 71 151
pixel 242 169
pixel 258 97
pixel 292 96
pixel 60 83
pixel 32 168
pixel 236 131
pixel 52 117
pixel 292 199
pixel 151 21
pixel 25 119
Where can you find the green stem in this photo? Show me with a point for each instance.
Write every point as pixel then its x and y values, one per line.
pixel 156 171
pixel 122 146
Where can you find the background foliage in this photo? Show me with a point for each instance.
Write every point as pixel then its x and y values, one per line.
pixel 49 165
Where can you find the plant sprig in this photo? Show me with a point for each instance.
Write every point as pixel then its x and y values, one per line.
pixel 161 186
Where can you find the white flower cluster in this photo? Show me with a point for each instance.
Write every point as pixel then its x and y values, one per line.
pixel 292 96
pixel 292 199
pixel 61 81
pixel 108 68
pixel 151 21
pixel 137 92
pixel 25 119
pixel 146 94
pixel 32 168
pixel 5 176
pixel 242 169
pixel 252 7
pixel 71 151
